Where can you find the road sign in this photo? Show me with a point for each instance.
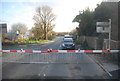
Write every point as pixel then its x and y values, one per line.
pixel 25 37
pixel 102 27
pixel 17 32
pixel 27 33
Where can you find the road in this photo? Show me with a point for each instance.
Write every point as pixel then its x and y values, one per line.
pixel 65 66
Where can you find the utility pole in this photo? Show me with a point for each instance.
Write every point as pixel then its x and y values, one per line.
pixel 0 37
pixel 109 32
pixel 1 52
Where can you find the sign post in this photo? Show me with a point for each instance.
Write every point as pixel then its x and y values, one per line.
pixel 104 27
pixel 109 32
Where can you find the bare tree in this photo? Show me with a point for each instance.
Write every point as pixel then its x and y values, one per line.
pixel 44 18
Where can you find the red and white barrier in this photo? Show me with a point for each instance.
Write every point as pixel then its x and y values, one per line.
pixel 62 51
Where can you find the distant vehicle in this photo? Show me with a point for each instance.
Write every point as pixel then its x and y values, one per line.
pixel 68 36
pixel 68 44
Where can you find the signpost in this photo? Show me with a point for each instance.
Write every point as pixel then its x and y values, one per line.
pixel 109 32
pixel 104 27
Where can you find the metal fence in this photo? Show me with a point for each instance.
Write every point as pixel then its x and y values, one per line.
pixel 55 56
pixel 113 44
pixel 43 57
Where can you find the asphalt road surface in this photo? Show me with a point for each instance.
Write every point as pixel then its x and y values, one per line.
pixel 59 66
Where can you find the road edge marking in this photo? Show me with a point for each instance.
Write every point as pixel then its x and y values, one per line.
pixel 101 66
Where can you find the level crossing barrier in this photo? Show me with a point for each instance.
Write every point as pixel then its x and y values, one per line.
pixel 50 56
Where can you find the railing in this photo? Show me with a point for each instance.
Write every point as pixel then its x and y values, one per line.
pixel 113 44
pixel 50 56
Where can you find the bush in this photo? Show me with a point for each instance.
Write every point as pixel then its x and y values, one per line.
pixel 77 42
pixel 51 37
pixel 85 45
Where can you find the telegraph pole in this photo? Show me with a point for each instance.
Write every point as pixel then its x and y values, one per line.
pixel 0 38
pixel 1 52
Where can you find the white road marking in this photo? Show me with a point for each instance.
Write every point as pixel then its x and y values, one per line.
pixel 44 74
pixel 38 74
pixel 102 67
pixel 27 62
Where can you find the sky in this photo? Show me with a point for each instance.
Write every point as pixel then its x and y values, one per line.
pixel 14 11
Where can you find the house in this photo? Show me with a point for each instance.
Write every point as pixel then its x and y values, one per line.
pixel 3 27
pixel 110 11
pixel 114 12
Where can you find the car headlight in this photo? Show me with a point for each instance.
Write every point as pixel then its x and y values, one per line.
pixel 63 44
pixel 73 44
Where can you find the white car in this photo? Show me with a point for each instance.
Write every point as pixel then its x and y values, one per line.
pixel 68 36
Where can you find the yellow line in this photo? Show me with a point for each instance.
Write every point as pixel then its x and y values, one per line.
pixel 3 53
pixel 14 58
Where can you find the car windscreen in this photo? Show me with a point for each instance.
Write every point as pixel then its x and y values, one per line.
pixel 68 40
pixel 67 37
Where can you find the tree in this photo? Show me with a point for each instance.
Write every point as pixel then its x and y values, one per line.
pixel 102 14
pixel 74 32
pixel 44 18
pixel 22 28
pixel 86 23
pixel 38 32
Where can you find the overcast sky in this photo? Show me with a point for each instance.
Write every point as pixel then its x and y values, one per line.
pixel 14 11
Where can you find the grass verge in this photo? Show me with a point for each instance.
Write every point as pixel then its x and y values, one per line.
pixel 31 41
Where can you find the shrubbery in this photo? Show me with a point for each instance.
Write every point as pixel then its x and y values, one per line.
pixel 31 41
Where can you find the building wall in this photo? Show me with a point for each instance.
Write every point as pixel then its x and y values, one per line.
pixel 4 31
pixel 119 24
pixel 113 12
pixel 119 20
pixel 92 42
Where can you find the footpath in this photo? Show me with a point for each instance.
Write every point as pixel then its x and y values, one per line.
pixel 112 67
